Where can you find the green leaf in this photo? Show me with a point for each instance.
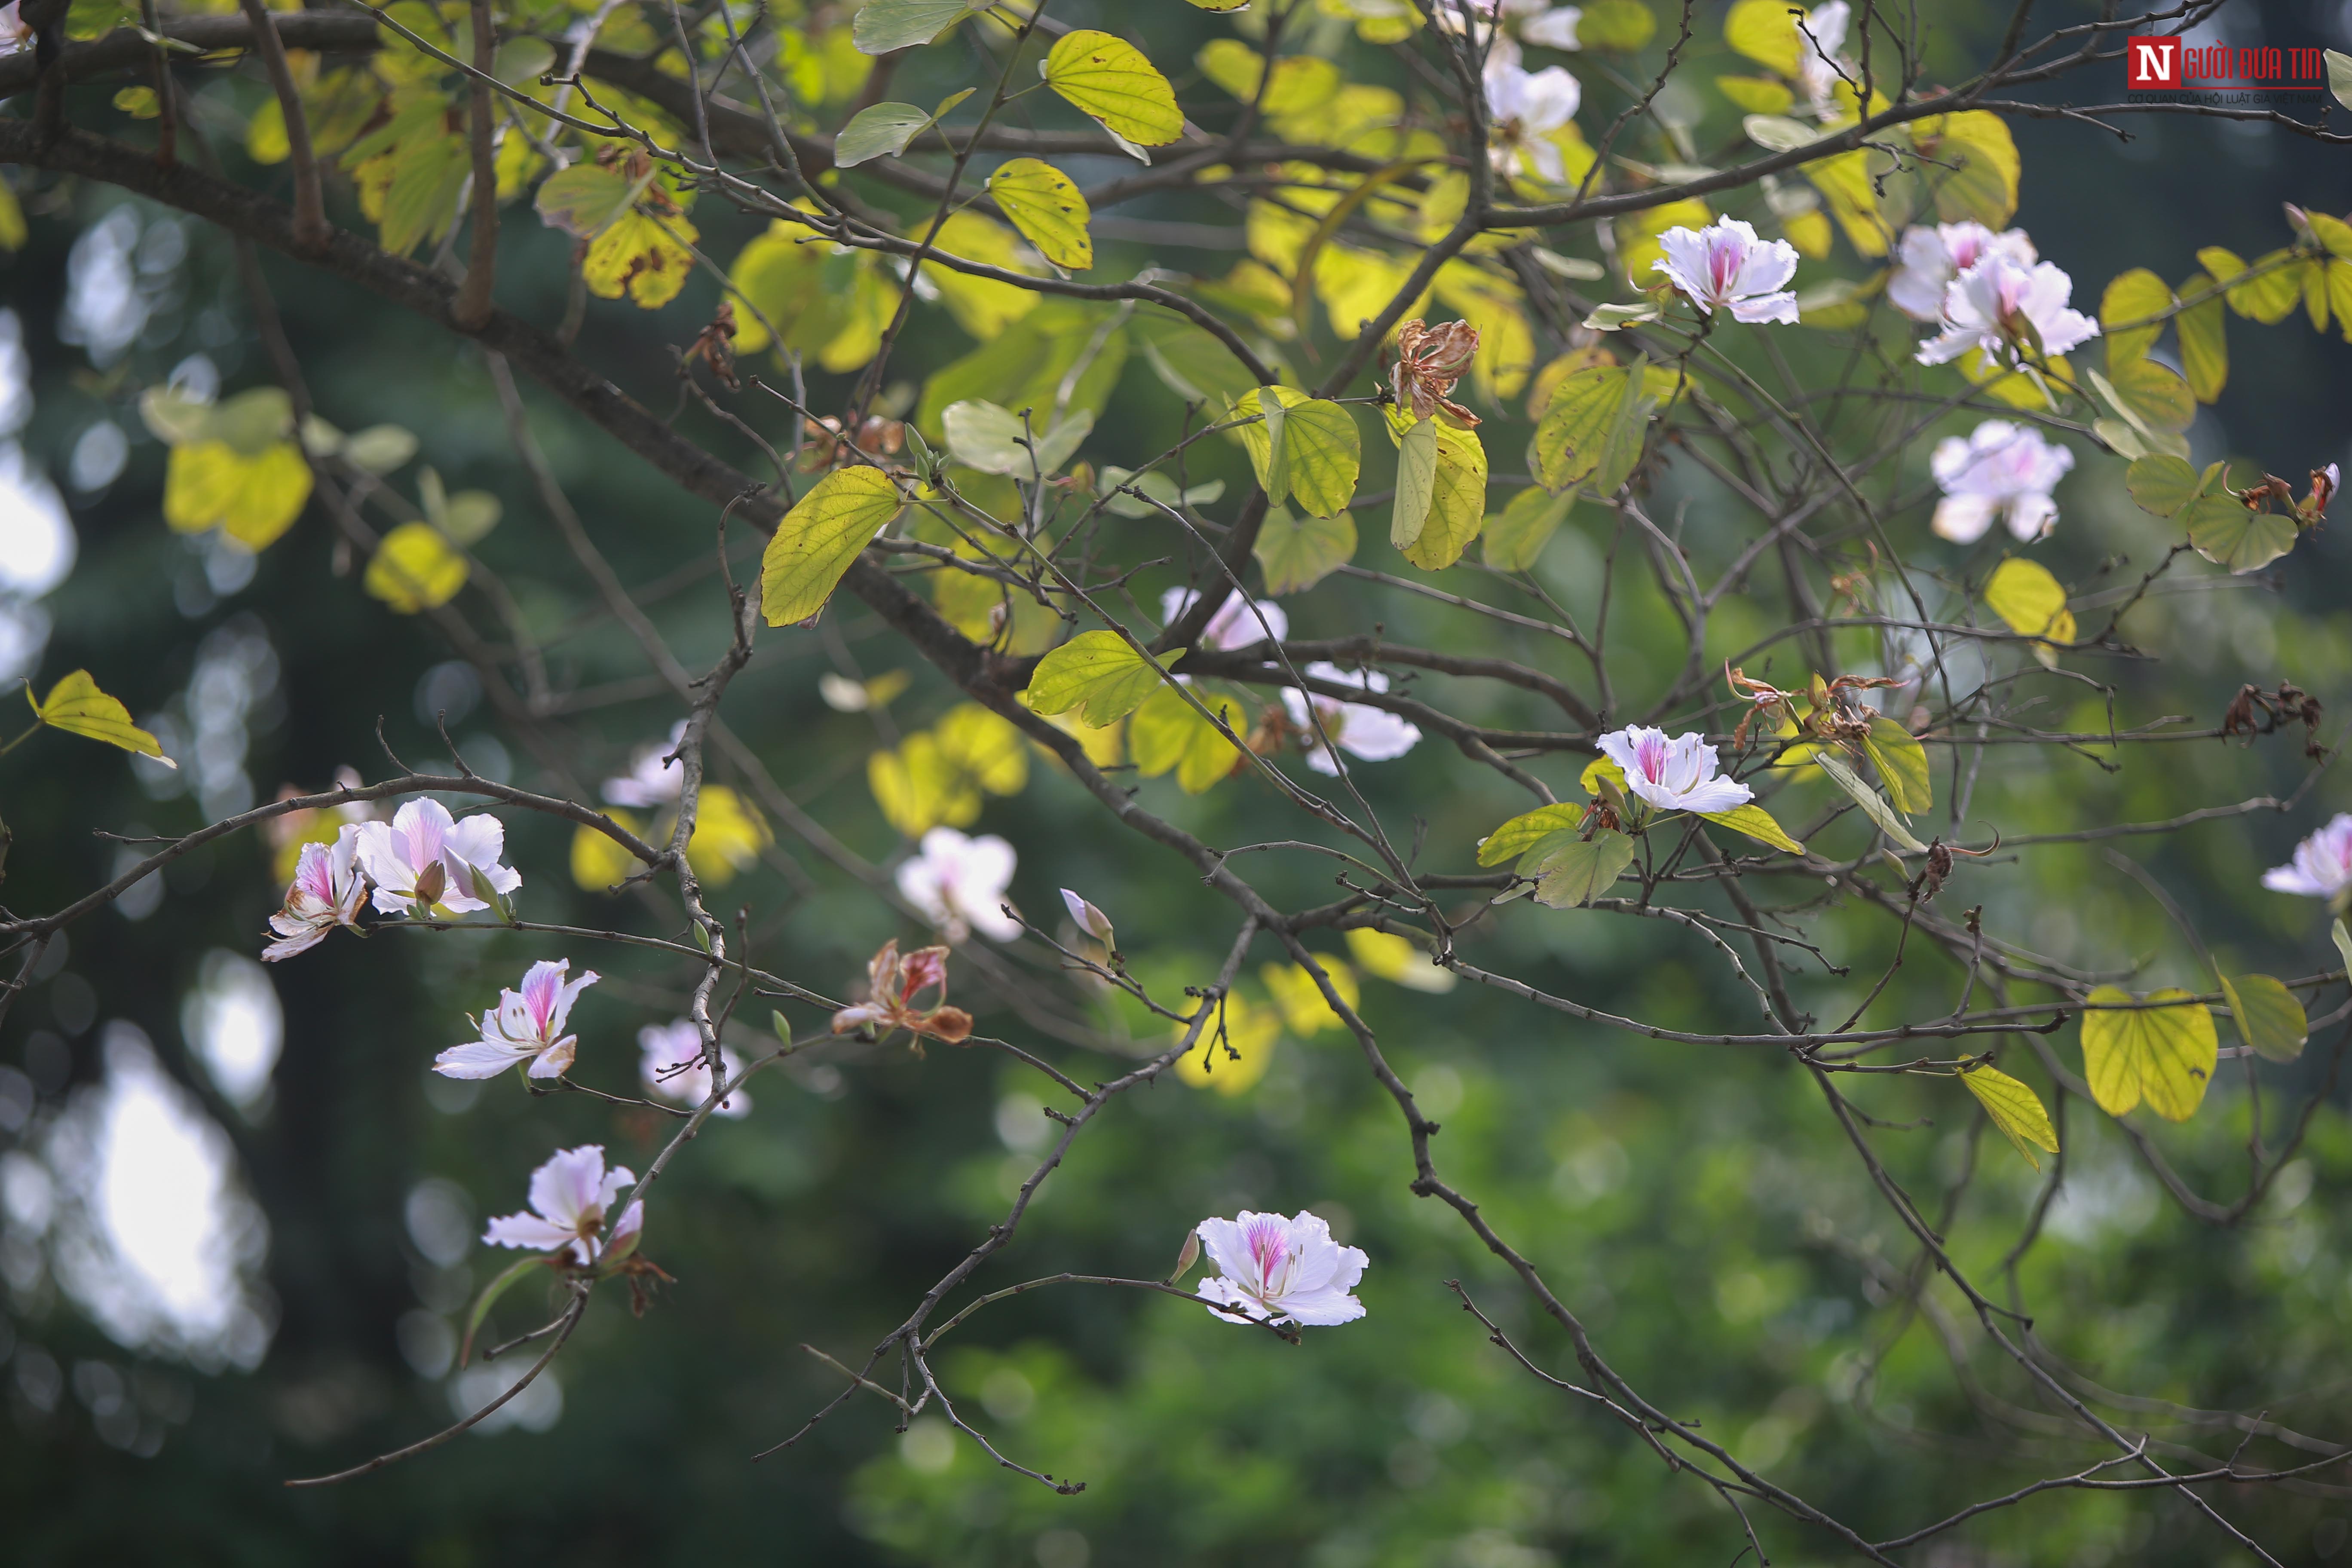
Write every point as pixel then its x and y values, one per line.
pixel 2269 1018
pixel 1458 502
pixel 1572 871
pixel 2014 1108
pixel 877 131
pixel 2162 484
pixel 1190 362
pixel 1099 672
pixel 422 201
pixel 1902 763
pixel 497 1287
pixel 1756 94
pixel 2268 297
pixel 1621 449
pixel 1297 553
pixel 2230 535
pixel 1109 80
pixel 1758 824
pixel 2204 345
pixel 1575 427
pixel 1326 457
pixel 586 199
pixel 379 448
pixel 818 539
pixel 1766 32
pixel 2154 393
pixel 995 440
pixel 1778 134
pixel 1416 483
pixel 1520 832
pixel 2133 296
pixel 252 422
pixel 1272 458
pixel 2343 939
pixel 1045 206
pixel 1514 539
pixel 882 25
pixel 1166 732
pixel 1622 25
pixel 1872 804
pixel 75 705
pixel 1114 481
pixel 2340 77
pixel 2162 1054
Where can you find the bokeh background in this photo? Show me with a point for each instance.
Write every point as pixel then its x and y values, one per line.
pixel 236 1214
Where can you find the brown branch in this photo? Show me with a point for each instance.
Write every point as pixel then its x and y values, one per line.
pixel 472 310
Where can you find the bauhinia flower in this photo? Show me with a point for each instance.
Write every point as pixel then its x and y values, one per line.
pixel 1087 918
pixel 569 1195
pixel 423 860
pixel 1236 624
pixel 2005 310
pixel 2000 470
pixel 2322 866
pixel 1553 26
pixel 327 891
pixel 527 1027
pixel 1725 266
pixel 1933 255
pixel 1358 729
pixel 675 1068
pixel 655 777
pixel 1673 775
pixel 892 982
pixel 958 883
pixel 1430 360
pixel 1820 34
pixel 1274 1270
pixel 1524 108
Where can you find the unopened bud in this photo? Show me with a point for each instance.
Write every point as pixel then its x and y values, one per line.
pixel 1188 1256
pixel 431 883
pixel 1089 920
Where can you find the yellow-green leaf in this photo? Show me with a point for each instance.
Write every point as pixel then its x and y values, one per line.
pixel 1517 836
pixel 1045 206
pixel 881 27
pixel 415 568
pixel 2269 1018
pixel 2268 296
pixel 200 480
pixel 1297 553
pixel 75 705
pixel 1872 804
pixel 1971 161
pixel 1758 824
pixel 2023 594
pixel 1575 427
pixel 1515 537
pixel 2133 296
pixel 2163 1054
pixel 1756 94
pixel 12 232
pixel 276 486
pixel 2343 939
pixel 1622 25
pixel 1097 670
pixel 1766 32
pixel 2014 1108
pixel 1108 79
pixel 1387 956
pixel 2162 484
pixel 2226 533
pixel 1326 455
pixel 1458 502
pixel 2204 343
pixel 641 258
pixel 1301 82
pixel 1269 454
pixel 1902 763
pixel 1573 871
pixel 1166 732
pixel 586 199
pixel 1416 483
pixel 983 746
pixel 876 130
pixel 818 539
pixel 2154 393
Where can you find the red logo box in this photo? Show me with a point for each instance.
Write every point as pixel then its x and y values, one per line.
pixel 2152 64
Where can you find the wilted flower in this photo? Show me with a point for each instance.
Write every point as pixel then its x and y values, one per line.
pixel 423 859
pixel 958 883
pixel 1525 108
pixel 1673 775
pixel 1236 624
pixel 2000 470
pixel 1089 919
pixel 1374 734
pixel 1932 256
pixel 1725 265
pixel 326 892
pixel 1820 34
pixel 570 1194
pixel 527 1027
pixel 2004 309
pixel 892 982
pixel 1430 360
pixel 2322 866
pixel 1281 1270
pixel 674 1066
pixel 2324 485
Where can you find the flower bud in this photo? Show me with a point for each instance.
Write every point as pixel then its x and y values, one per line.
pixel 1188 1256
pixel 1089 920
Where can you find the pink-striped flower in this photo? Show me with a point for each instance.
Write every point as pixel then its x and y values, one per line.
pixel 1934 253
pixel 2005 310
pixel 424 860
pixel 327 891
pixel 674 1066
pixel 2000 470
pixel 569 1195
pixel 2322 866
pixel 1281 1270
pixel 1673 775
pixel 527 1027
pixel 1725 266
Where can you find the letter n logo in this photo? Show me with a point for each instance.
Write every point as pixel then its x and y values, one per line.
pixel 2154 63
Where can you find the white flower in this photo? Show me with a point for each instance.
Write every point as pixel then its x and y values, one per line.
pixel 1673 775
pixel 423 857
pixel 674 1066
pixel 571 1194
pixel 655 777
pixel 1281 1270
pixel 2322 866
pixel 527 1027
pixel 1087 918
pixel 1725 265
pixel 1236 623
pixel 1820 34
pixel 958 883
pixel 1554 28
pixel 1526 107
pixel 326 892
pixel 2000 470
pixel 2001 307
pixel 1374 734
pixel 1931 256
